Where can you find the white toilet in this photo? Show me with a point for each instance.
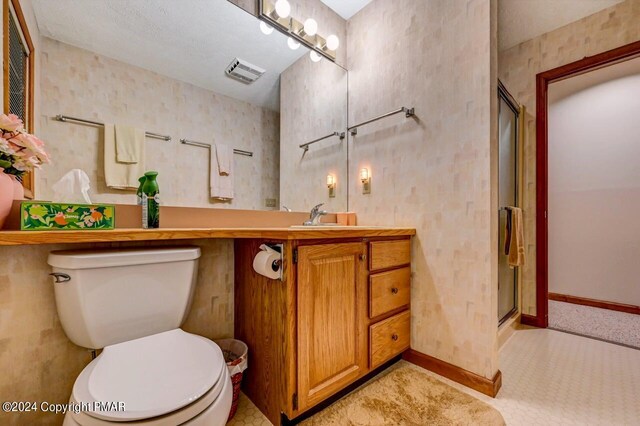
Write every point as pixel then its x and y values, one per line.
pixel 131 302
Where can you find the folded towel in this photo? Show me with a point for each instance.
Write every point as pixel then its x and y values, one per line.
pixel 514 237
pixel 221 185
pixel 120 175
pixel 129 144
pixel 223 153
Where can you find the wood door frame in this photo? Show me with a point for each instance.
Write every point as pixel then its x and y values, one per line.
pixel 28 180
pixel 543 79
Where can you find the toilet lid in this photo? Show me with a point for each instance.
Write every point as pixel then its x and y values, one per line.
pixel 153 375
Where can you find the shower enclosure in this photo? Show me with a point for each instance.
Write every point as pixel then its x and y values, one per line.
pixel 507 197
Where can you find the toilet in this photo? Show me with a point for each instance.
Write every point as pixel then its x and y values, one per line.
pixel 131 303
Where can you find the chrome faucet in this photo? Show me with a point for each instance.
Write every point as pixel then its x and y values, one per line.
pixel 314 216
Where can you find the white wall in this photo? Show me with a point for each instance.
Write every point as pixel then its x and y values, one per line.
pixel 594 184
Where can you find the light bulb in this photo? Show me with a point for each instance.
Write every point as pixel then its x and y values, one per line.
pixel 283 8
pixel 364 175
pixel 265 28
pixel 315 56
pixel 310 27
pixel 330 180
pixel 293 45
pixel 333 42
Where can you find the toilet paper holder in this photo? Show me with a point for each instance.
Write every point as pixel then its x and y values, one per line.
pixel 272 269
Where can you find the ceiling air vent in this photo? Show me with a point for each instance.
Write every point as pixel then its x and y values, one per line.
pixel 243 71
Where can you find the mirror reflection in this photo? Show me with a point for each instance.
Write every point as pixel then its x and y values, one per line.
pixel 152 85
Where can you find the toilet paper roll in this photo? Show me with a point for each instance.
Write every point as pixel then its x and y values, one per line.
pixel 268 263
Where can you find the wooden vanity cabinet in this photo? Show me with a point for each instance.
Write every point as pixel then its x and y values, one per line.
pixel 330 321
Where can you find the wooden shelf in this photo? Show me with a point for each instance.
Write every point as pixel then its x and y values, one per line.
pixel 12 238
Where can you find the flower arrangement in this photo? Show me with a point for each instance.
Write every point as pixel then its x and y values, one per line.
pixel 20 152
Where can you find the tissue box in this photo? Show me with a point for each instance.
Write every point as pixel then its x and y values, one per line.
pixel 44 216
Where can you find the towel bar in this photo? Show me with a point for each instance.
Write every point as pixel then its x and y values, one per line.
pixel 408 112
pixel 305 146
pixel 206 145
pixel 68 119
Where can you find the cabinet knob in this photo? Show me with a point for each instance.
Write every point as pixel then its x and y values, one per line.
pixel 394 337
pixel 363 257
pixel 394 290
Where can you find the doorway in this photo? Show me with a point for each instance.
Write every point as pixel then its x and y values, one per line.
pixel 586 178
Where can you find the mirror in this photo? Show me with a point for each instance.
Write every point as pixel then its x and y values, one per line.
pixel 159 66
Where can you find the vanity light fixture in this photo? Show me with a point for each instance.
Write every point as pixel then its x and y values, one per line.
pixel 265 28
pixel 331 184
pixel 333 42
pixel 283 8
pixel 310 27
pixel 293 44
pixel 277 15
pixel 365 178
pixel 315 56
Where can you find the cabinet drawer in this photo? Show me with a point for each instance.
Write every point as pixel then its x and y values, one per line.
pixel 389 338
pixel 387 254
pixel 388 291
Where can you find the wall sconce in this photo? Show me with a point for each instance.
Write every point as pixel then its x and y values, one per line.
pixel 331 184
pixel 365 178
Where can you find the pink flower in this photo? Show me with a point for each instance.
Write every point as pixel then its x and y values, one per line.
pixel 7 147
pixel 33 147
pixel 11 123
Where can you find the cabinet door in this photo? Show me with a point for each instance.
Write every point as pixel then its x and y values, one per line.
pixel 332 305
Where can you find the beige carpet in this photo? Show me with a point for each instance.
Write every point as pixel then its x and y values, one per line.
pixel 407 396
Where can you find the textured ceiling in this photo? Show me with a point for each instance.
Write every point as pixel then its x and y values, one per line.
pixel 346 8
pixel 522 20
pixel 192 41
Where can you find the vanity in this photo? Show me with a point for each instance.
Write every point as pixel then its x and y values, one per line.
pixel 341 310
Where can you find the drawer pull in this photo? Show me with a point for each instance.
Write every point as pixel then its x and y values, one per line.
pixel 394 290
pixel 394 337
pixel 363 257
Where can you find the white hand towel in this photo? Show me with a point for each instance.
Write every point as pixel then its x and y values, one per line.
pixel 223 153
pixel 129 144
pixel 221 185
pixel 119 175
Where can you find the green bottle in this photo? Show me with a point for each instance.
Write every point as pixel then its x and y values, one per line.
pixel 150 201
pixel 139 192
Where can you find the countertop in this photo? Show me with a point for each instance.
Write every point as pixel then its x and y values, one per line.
pixel 13 238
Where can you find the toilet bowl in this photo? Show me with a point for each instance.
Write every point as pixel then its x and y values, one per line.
pixel 170 378
pixel 131 304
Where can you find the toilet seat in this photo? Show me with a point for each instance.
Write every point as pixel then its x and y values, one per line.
pixel 155 376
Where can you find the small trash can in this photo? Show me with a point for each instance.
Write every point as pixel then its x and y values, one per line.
pixel 236 356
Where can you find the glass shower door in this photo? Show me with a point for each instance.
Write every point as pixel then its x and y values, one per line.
pixel 507 197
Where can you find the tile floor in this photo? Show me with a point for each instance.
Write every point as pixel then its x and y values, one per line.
pixel 551 378
pixel 605 324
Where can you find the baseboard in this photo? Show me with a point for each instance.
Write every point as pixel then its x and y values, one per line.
pixel 613 306
pixel 474 381
pixel 532 321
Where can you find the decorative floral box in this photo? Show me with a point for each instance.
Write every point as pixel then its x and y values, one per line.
pixel 44 216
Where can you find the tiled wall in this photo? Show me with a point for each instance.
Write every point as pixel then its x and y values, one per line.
pixel 79 83
pixel 518 66
pixel 39 363
pixel 432 172
pixel 313 98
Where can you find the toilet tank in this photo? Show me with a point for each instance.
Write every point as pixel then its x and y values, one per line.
pixel 113 296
